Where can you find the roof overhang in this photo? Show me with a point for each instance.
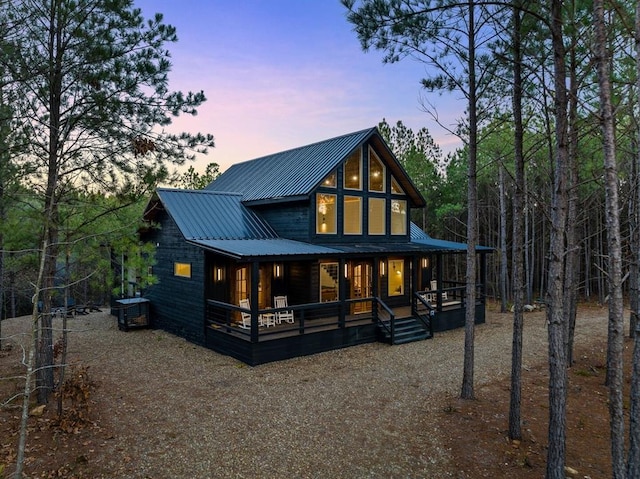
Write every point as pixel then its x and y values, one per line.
pixel 280 248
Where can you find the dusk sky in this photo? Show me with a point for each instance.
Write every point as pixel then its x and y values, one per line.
pixel 279 74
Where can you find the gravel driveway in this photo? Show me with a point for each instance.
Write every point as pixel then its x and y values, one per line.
pixel 171 409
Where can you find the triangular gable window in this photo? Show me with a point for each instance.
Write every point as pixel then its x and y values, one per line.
pixel 330 180
pixel 395 187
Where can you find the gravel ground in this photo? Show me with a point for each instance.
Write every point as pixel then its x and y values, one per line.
pixel 171 409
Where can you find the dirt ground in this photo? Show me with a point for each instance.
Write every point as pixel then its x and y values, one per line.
pixel 474 432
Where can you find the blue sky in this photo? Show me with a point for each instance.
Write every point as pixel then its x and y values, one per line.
pixel 279 74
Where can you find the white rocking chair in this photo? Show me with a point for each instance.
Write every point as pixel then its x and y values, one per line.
pixel 282 316
pixel 263 319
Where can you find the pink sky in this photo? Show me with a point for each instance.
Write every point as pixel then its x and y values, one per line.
pixel 279 74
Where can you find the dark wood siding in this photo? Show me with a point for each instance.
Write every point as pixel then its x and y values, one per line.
pixel 288 220
pixel 177 304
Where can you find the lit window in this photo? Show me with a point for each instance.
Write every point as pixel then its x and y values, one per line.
pixel 328 282
pixel 396 277
pixel 376 172
pixel 182 269
pixel 353 171
pixel 329 181
pixel 398 217
pixel 352 215
pixel 326 217
pixel 395 187
pixel 376 216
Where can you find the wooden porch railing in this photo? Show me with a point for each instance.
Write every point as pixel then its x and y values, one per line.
pixel 309 317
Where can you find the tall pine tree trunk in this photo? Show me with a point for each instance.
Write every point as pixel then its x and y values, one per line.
pixel 515 416
pixel 614 247
pixel 467 391
pixel 556 452
pixel 573 251
pixel 504 270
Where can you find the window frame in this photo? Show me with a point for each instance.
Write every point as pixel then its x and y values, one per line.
pixel 373 156
pixel 356 154
pixel 178 266
pixel 319 214
pixel 370 202
pixel 345 218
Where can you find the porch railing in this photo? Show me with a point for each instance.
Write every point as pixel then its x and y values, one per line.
pixel 309 317
pixel 424 311
pixel 386 318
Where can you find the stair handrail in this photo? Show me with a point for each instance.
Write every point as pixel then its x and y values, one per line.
pixel 392 319
pixel 432 312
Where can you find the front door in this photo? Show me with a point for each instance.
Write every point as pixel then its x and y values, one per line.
pixel 361 286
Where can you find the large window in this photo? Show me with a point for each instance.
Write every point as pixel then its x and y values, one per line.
pixel 353 171
pixel 242 283
pixel 328 282
pixel 352 215
pixel 398 217
pixel 326 217
pixel 396 277
pixel 182 269
pixel 376 216
pixel 376 172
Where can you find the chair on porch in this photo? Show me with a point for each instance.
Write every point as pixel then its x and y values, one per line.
pixel 434 285
pixel 282 316
pixel 246 317
pixel 263 319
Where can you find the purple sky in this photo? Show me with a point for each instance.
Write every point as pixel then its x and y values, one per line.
pixel 279 74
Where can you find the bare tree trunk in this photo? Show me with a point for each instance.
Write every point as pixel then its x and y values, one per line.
pixel 467 391
pixel 515 415
pixel 555 312
pixel 573 252
pixel 504 271
pixel 22 438
pixel 614 246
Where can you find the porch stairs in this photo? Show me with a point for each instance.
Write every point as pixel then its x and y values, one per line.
pixel 406 330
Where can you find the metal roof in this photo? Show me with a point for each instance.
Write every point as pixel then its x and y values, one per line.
pixel 295 173
pixel 264 247
pixel 210 215
pixel 420 237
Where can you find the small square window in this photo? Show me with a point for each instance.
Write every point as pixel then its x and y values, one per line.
pixel 182 269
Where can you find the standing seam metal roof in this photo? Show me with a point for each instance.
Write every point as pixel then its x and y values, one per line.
pixel 290 173
pixel 208 215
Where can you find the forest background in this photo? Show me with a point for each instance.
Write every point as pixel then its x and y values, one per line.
pixel 549 173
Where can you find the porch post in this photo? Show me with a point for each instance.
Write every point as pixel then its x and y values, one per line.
pixel 439 280
pixel 374 287
pixel 342 287
pixel 253 297
pixel 415 264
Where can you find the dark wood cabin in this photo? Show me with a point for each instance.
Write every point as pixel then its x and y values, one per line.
pixel 303 251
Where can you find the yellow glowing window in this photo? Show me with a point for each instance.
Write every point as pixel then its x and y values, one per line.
pixel 352 215
pixel 398 217
pixel 329 181
pixel 326 214
pixel 182 269
pixel 396 277
pixel 376 216
pixel 395 187
pixel 353 171
pixel 376 172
